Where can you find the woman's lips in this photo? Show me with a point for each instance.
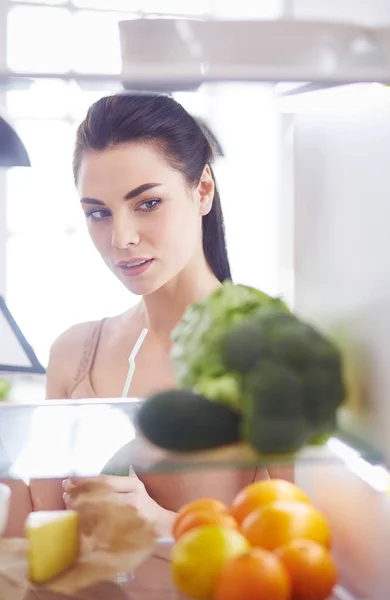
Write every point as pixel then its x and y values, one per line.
pixel 134 267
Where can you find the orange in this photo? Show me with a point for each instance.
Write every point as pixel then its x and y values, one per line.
pixel 311 568
pixel 256 575
pixel 199 555
pixel 261 493
pixel 197 519
pixel 202 504
pixel 280 522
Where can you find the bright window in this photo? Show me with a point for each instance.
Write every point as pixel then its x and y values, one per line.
pixel 39 39
pixel 121 5
pixel 178 7
pixel 50 2
pixel 97 31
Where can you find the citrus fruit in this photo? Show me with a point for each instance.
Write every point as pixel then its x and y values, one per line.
pixel 209 505
pixel 204 504
pixel 199 555
pixel 256 575
pixel 280 522
pixel 198 519
pixel 311 568
pixel 259 494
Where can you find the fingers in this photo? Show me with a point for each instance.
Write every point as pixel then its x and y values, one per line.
pixel 121 484
pixel 67 501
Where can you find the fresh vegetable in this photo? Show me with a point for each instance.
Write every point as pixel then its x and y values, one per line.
pixel 273 419
pixel 296 386
pixel 183 421
pixel 5 387
pixel 198 339
pixel 242 348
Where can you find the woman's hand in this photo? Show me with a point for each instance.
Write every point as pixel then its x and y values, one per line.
pixel 130 490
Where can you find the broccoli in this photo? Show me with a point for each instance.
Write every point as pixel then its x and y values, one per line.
pixel 225 387
pixel 243 346
pixel 278 355
pixel 198 338
pixel 272 416
pixel 245 349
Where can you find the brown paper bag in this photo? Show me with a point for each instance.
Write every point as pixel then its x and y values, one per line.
pixel 114 539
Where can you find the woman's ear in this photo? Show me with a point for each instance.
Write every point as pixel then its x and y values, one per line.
pixel 206 188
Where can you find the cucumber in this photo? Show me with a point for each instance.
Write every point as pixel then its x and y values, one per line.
pixel 182 421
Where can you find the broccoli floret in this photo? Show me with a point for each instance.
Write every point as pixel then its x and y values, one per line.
pixel 281 346
pixel 273 419
pixel 318 363
pixel 197 339
pixel 275 390
pixel 226 389
pixel 241 348
pixel 323 392
pixel 248 342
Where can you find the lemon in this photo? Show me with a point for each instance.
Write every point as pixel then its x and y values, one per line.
pixel 54 545
pixel 199 555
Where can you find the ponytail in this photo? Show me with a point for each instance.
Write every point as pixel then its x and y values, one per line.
pixel 214 241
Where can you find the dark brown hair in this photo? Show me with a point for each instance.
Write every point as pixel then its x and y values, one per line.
pixel 159 120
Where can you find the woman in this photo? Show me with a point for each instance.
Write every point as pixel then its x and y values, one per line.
pixel 142 166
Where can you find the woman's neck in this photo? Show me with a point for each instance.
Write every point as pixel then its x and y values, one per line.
pixel 164 308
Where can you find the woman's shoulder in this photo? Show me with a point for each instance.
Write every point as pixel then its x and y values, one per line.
pixel 73 350
pixel 69 346
pixel 66 355
pixel 72 339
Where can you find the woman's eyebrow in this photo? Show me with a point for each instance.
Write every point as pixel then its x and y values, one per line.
pixel 129 196
pixel 140 189
pixel 91 201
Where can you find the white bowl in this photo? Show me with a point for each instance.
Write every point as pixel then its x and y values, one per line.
pixel 5 497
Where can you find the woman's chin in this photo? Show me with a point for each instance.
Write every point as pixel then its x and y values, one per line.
pixel 141 288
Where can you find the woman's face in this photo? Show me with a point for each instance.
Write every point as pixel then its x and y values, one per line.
pixel 142 217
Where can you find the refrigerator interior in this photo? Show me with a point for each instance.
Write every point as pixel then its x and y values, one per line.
pixel 334 249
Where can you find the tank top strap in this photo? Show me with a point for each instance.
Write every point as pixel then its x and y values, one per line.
pixel 87 359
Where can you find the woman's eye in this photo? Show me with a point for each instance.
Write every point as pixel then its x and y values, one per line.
pixel 150 204
pixel 98 215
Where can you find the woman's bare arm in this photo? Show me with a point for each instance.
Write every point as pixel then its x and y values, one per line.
pixel 65 353
pixel 64 358
pixel 21 506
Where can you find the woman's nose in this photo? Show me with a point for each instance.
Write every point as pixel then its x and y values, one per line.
pixel 124 232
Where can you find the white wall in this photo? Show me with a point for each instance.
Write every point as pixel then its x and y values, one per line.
pixel 342 250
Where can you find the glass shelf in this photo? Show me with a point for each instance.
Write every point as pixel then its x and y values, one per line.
pixel 85 438
pixel 129 591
